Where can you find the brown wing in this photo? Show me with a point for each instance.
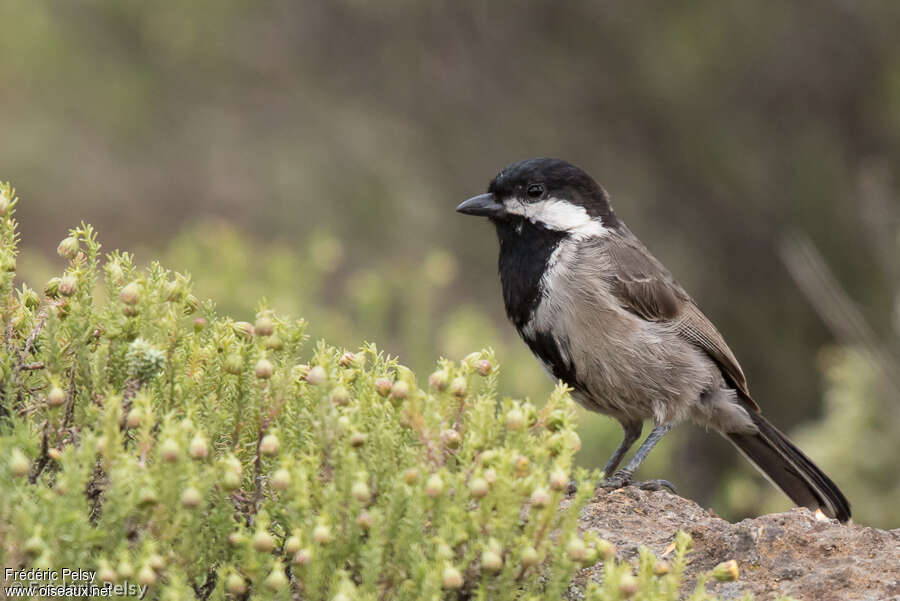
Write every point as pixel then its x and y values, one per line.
pixel 647 289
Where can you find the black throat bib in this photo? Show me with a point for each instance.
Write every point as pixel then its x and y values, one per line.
pixel 525 251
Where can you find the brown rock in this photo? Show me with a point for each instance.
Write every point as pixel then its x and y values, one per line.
pixel 783 554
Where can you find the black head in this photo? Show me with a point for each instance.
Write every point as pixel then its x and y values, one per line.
pixel 549 193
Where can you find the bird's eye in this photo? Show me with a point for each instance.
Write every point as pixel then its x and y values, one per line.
pixel 535 190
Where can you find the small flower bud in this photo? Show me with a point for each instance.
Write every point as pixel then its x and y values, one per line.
pixel 443 551
pixel 515 419
pixel 236 539
pixel 365 520
pixel 191 497
pixel 662 568
pixel 67 285
pixel 530 412
pixel 302 557
pixel 263 369
pixel 574 441
pixel 529 557
pixel 235 584
pixel 125 569
pixel 605 549
pixel 276 580
pixel 400 390
pixel 459 387
pixel 281 479
pixel 33 546
pixel 191 304
pixel 576 549
pixel 556 421
pixel 243 329
pixel 264 326
pixel 322 534
pixel 156 562
pixel 51 288
pixel 491 561
pixel 361 492
pixel 146 576
pixel 68 248
pixel 231 481
pixel 522 465
pixel 451 438
pixel 234 364
pixel 232 464
pixel 347 359
pixel 169 450
pixel 411 476
pixel 105 572
pixel 558 480
pixel 540 498
pixel 135 417
pixel 273 343
pixel 479 487
pixel 56 396
pixel 727 571
pixel 199 324
pixel 383 386
pixel 269 445
pixel 628 585
pixel 147 497
pixel 340 396
pixel 452 578
pixel 130 293
pixel 439 379
pixel 263 541
pixel 434 486
pixel 116 273
pixel 198 447
pixel 30 299
pixel 4 204
pixel 292 544
pixel 317 375
pixel 490 474
pixel 484 367
pixel 54 453
pixel 358 439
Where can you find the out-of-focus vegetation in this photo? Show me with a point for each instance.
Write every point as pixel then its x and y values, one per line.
pixel 716 126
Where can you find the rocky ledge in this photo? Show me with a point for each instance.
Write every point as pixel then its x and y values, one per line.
pixel 783 554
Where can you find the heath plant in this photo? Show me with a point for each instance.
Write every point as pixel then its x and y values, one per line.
pixel 147 439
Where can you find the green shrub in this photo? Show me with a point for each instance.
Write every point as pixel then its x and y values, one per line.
pixel 147 438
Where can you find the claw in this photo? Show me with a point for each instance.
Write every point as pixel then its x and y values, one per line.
pixel 622 479
pixel 617 480
pixel 657 485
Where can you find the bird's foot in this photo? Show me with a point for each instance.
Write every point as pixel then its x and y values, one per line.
pixel 657 485
pixel 623 478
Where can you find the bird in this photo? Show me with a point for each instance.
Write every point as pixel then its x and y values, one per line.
pixel 604 316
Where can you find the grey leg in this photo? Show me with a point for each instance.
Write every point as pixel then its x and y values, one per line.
pixel 624 476
pixel 632 433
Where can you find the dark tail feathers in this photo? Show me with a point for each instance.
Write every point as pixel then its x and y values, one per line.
pixel 790 470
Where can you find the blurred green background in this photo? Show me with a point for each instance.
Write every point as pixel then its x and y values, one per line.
pixel 313 152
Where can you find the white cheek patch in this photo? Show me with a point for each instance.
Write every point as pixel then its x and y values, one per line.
pixel 559 215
